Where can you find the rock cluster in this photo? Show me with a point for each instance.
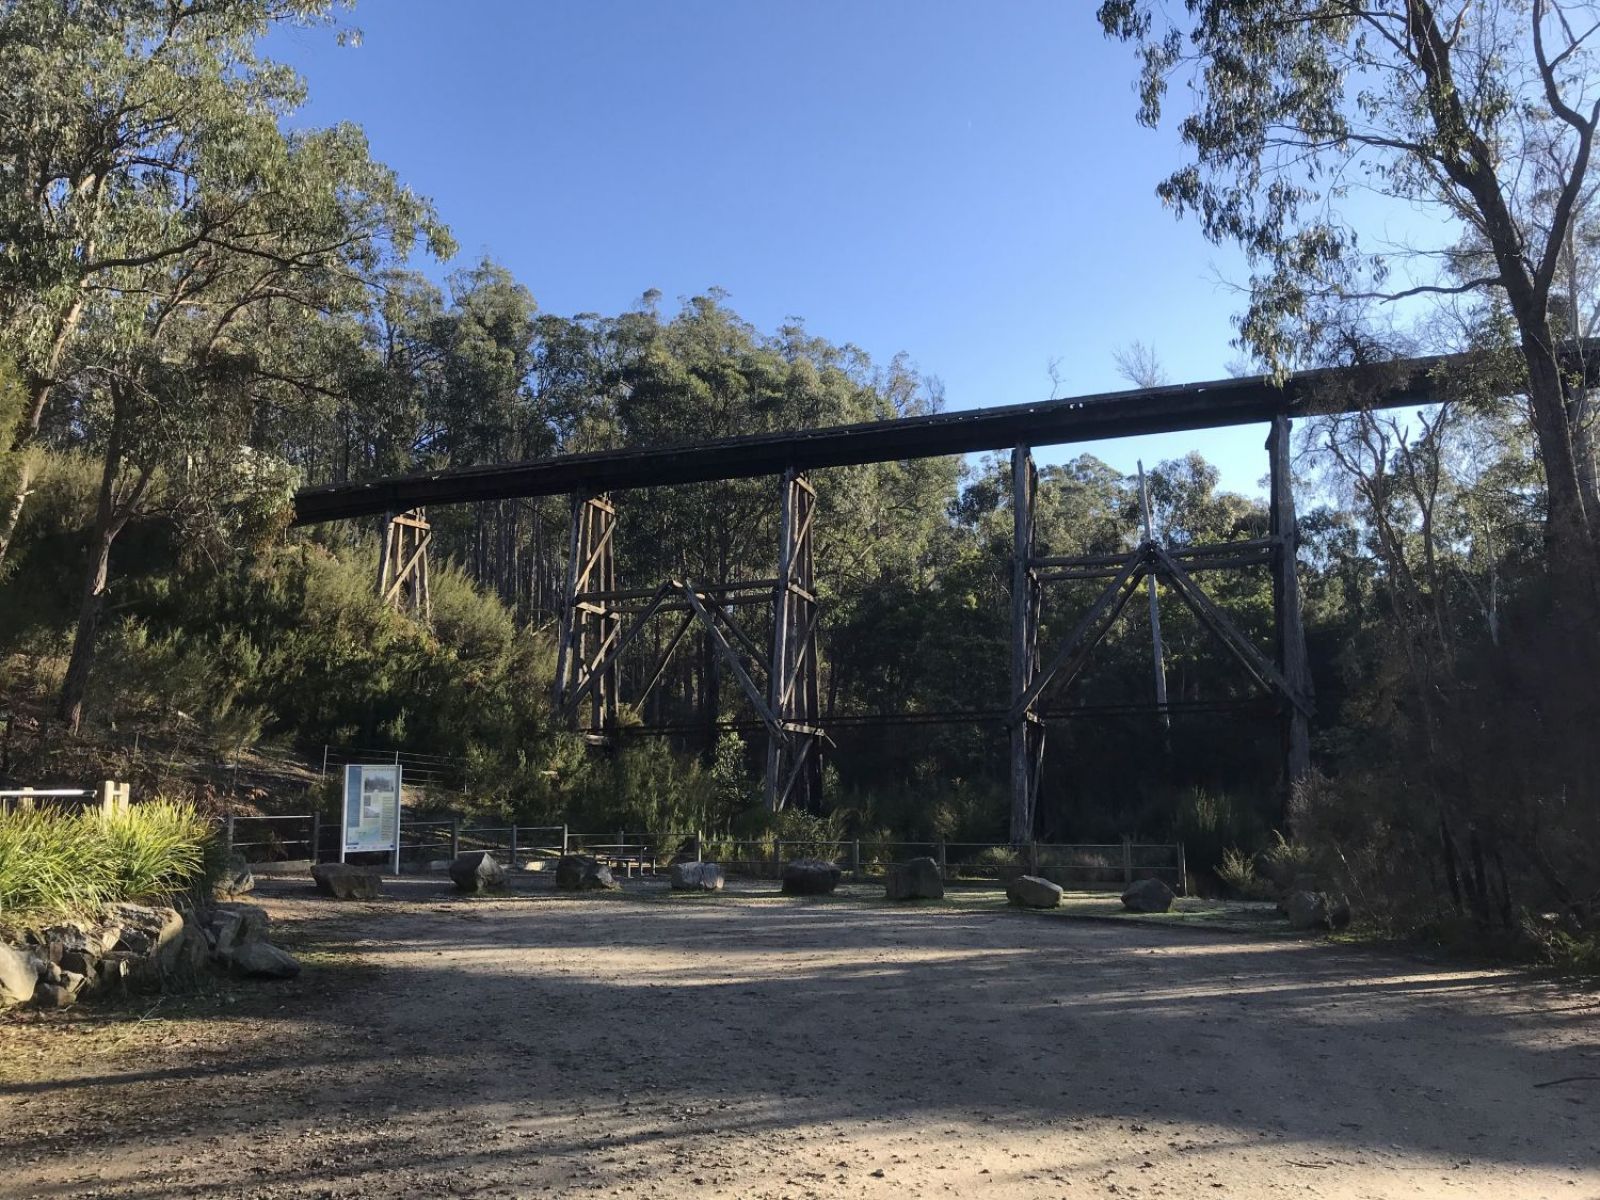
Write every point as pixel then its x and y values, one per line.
pixel 917 879
pixel 809 877
pixel 580 873
pixel 1148 896
pixel 697 877
pixel 134 945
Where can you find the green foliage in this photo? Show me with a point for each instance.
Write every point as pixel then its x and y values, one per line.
pixel 54 863
pixel 1237 873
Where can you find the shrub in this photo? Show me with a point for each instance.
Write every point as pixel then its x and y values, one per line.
pixel 1237 873
pixel 58 863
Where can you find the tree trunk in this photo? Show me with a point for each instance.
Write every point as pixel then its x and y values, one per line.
pixel 1571 544
pixel 76 685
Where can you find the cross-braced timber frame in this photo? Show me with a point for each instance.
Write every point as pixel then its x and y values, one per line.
pixel 403 563
pixel 1284 675
pixel 598 622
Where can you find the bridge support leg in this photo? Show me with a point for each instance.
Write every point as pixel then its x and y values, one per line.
pixel 1027 731
pixel 590 624
pixel 1290 634
pixel 794 749
pixel 403 563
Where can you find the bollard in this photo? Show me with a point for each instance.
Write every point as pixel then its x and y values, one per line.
pixel 513 847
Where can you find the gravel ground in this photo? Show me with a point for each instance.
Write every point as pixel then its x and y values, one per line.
pixel 746 1046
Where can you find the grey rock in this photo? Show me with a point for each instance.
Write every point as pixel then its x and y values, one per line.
pixel 1316 910
pixel 19 977
pixel 53 995
pixel 916 879
pixel 570 869
pixel 1029 891
pixel 809 877
pixel 252 920
pixel 91 939
pixel 697 877
pixel 237 879
pixel 79 962
pixel 263 960
pixel 117 969
pixel 597 878
pixel 1148 896
pixel 344 881
pixel 152 933
pixel 477 871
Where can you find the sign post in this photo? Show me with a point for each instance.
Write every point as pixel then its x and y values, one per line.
pixel 371 810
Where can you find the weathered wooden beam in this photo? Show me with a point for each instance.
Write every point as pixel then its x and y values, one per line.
pixel 1126 580
pixel 1026 749
pixel 1288 627
pixel 1223 627
pixel 1209 405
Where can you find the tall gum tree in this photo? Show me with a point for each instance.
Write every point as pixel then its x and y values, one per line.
pixel 1480 113
pixel 112 112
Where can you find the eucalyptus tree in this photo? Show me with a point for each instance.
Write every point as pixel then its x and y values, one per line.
pixel 1481 115
pixel 185 295
pixel 129 130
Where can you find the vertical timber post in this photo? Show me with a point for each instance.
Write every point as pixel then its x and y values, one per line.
pixel 1158 655
pixel 589 622
pixel 403 563
pixel 1290 631
pixel 1027 733
pixel 794 763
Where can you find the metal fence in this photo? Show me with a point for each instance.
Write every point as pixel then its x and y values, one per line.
pixel 426 841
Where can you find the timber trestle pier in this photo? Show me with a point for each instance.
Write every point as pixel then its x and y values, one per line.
pixel 601 619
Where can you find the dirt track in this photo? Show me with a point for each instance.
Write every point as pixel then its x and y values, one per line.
pixel 758 1048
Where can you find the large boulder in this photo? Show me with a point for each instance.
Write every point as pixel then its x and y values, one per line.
pixel 1029 891
pixel 152 934
pixel 917 879
pixel 345 881
pixel 570 869
pixel 697 877
pixel 597 878
pixel 92 940
pixel 263 960
pixel 19 976
pixel 581 873
pixel 1148 896
pixel 477 871
pixel 1316 910
pixel 237 879
pixel 809 877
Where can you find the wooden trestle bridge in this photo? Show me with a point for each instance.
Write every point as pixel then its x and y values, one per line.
pixel 601 619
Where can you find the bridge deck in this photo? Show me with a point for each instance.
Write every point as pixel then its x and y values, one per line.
pixel 1053 422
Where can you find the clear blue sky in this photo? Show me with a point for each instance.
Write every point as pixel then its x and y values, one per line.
pixel 962 182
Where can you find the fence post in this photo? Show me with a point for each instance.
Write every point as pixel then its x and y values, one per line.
pixel 513 846
pixel 855 860
pixel 1183 873
pixel 699 845
pixel 1127 860
pixel 1033 857
pixel 316 838
pixel 563 840
pixel 228 837
pixel 324 760
pixel 944 864
pixel 455 837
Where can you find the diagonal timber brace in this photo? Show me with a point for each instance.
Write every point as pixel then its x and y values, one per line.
pixel 403 582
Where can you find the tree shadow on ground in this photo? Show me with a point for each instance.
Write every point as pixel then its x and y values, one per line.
pixel 561 1021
